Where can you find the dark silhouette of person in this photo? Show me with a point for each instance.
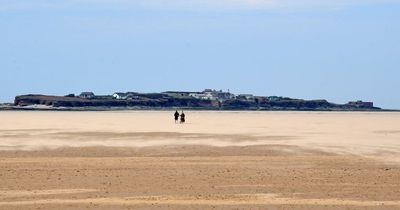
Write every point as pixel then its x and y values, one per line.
pixel 183 117
pixel 176 115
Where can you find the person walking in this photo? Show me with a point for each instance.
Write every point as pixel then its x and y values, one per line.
pixel 176 115
pixel 183 117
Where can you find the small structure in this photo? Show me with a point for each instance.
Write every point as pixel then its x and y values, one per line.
pixel 203 96
pixel 120 96
pixel 197 95
pixel 361 104
pixel 209 94
pixel 125 96
pixel 179 93
pixel 223 96
pixel 88 95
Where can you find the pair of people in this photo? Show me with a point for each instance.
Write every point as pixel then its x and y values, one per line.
pixel 176 115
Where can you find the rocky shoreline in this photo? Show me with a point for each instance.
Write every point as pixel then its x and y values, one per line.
pixel 161 101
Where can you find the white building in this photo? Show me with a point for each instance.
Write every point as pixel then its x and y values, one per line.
pixel 120 96
pixel 209 94
pixel 203 96
pixel 125 96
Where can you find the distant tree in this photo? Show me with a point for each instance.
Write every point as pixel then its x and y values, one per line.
pixel 70 95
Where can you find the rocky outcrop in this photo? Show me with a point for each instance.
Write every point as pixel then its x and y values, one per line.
pixel 150 101
pixel 159 100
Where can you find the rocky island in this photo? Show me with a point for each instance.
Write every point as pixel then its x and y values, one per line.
pixel 204 100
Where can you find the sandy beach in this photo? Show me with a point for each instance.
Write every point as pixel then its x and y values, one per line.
pixel 217 160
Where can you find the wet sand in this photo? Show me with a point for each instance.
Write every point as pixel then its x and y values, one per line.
pixel 220 160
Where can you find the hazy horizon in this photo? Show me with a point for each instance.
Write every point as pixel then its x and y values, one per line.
pixel 334 50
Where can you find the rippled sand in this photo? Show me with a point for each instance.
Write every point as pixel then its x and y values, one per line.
pixel 223 160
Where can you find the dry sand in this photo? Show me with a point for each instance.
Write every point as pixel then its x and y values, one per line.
pixel 221 160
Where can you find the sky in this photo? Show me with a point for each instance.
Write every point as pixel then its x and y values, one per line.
pixel 339 50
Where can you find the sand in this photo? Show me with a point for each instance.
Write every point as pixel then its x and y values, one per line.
pixel 217 160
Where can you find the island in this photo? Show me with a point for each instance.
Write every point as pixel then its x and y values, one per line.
pixel 208 99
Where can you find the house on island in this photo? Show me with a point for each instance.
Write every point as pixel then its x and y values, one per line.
pixel 119 96
pixel 202 96
pixel 209 94
pixel 223 96
pixel 125 96
pixel 179 93
pixel 87 95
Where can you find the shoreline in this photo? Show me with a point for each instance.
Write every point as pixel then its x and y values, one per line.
pixel 19 108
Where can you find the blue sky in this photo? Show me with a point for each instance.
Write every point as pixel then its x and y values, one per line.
pixel 333 49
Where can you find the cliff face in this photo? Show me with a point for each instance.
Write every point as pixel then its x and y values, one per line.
pixel 165 101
